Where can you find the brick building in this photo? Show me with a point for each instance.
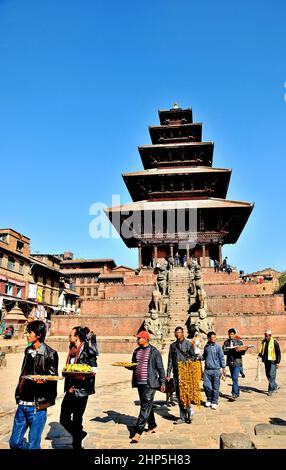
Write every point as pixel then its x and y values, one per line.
pixel 14 268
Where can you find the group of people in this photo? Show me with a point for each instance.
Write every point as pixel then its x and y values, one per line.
pixel 148 375
pixel 224 267
pixel 34 395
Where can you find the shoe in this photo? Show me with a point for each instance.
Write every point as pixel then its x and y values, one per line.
pixel 207 404
pixel 135 438
pixel 189 420
pixel 213 406
pixel 270 394
pixel 276 389
pixel 243 376
pixel 234 397
pixel 152 431
pixel 84 436
pixel 179 421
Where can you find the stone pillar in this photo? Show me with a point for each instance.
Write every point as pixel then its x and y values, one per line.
pixel 139 255
pixel 188 252
pixel 220 254
pixel 204 255
pixel 155 255
pixel 172 250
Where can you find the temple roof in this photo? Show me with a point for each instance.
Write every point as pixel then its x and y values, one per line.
pixel 178 154
pixel 180 183
pixel 214 220
pixel 177 133
pixel 208 203
pixel 178 170
pixel 176 114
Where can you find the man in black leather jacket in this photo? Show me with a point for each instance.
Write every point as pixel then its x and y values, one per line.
pixel 234 359
pixel 34 396
pixel 79 387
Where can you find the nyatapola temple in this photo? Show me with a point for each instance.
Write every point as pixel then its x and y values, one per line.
pixel 179 220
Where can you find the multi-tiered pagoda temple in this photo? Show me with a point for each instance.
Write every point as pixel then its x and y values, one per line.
pixel 179 200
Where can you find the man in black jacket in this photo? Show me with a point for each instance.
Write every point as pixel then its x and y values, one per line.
pixel 234 359
pixel 148 376
pixel 34 396
pixel 77 387
pixel 181 350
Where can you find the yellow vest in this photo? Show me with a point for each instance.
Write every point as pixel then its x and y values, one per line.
pixel 271 349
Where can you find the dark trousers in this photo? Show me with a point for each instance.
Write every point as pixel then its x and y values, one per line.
pixel 235 371
pixel 270 371
pixel 72 411
pixel 146 415
pixel 185 413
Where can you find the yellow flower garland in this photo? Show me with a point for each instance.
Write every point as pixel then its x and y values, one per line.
pixel 190 375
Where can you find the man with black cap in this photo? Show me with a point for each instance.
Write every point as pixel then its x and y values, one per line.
pixel 148 376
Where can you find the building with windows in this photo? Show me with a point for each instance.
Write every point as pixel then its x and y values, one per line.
pixel 86 275
pixel 14 268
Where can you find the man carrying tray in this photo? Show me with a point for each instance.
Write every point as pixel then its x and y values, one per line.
pixel 34 396
pixel 78 386
pixel 231 347
pixel 148 376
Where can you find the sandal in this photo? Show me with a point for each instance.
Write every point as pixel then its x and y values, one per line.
pixel 135 438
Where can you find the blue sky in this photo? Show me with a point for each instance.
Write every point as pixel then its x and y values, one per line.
pixel 80 81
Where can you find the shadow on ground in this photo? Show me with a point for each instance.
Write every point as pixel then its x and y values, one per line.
pixel 278 421
pixel 117 418
pixel 60 438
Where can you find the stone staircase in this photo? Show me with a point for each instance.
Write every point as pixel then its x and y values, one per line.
pixel 178 302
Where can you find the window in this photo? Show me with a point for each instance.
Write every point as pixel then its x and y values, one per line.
pixel 89 280
pixel 21 267
pixel 51 298
pixel 9 289
pixel 19 292
pixel 4 237
pixel 1 258
pixel 82 279
pixel 20 246
pixel 82 291
pixel 44 278
pixel 11 263
pixel 89 291
pixel 96 291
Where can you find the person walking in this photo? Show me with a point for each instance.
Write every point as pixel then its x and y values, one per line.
pixel 224 264
pixel 216 266
pixel 180 351
pixel 78 387
pixel 91 339
pixel 34 396
pixel 148 376
pixel 271 356
pixel 214 362
pixel 234 359
pixel 177 260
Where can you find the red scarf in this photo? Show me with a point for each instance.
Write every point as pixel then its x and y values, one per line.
pixel 74 352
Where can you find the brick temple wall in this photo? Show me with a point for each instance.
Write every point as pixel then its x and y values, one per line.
pixel 248 307
pixel 120 313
